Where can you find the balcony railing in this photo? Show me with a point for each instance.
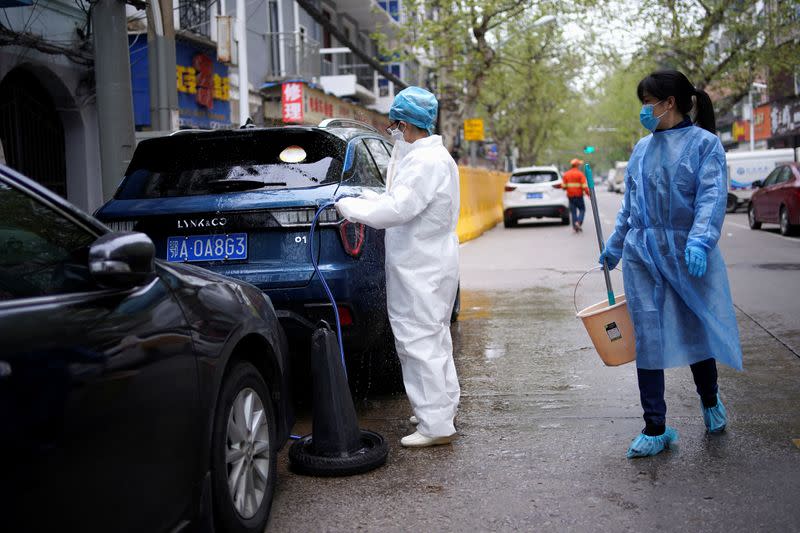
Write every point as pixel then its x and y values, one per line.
pixel 294 55
pixel 349 64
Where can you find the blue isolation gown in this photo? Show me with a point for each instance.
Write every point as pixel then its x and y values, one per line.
pixel 675 195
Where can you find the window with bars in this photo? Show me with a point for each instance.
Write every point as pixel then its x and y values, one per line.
pixel 195 16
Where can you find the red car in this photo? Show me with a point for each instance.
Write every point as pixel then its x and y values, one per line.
pixel 777 200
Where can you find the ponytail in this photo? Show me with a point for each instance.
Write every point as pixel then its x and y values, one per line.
pixel 665 83
pixel 704 111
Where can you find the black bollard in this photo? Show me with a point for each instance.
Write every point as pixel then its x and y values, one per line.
pixel 336 446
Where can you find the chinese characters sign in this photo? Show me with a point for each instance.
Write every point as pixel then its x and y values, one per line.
pixel 188 83
pixel 762 123
pixel 785 118
pixel 292 103
pixel 201 82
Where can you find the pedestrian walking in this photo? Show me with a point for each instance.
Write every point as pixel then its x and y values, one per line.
pixel 419 211
pixel 576 186
pixel 666 234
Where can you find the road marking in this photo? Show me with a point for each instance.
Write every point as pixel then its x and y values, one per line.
pixel 765 232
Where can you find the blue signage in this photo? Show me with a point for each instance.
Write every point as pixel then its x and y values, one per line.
pixel 202 83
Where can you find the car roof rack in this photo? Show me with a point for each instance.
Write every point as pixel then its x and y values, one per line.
pixel 346 123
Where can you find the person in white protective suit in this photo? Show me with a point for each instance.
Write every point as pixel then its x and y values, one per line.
pixel 419 211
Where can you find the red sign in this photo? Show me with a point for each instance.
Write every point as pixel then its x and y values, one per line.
pixel 292 103
pixel 317 105
pixel 204 66
pixel 762 126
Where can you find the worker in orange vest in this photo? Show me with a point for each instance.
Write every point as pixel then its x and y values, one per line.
pixel 576 186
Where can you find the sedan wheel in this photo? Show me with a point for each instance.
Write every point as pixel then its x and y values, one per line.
pixel 244 452
pixel 786 227
pixel 751 217
pixel 247 453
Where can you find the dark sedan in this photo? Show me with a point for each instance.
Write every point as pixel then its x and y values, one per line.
pixel 135 395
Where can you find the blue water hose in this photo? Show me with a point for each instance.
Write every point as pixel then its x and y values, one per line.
pixel 315 263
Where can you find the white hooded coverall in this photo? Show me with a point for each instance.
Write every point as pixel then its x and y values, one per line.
pixel 419 211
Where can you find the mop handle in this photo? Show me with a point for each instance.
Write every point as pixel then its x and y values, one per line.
pixel 600 240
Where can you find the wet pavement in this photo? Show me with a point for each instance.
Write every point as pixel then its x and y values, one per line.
pixel 544 425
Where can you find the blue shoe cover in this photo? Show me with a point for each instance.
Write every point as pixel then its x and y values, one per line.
pixel 645 445
pixel 716 418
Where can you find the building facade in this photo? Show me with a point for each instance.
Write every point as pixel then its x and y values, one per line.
pixel 48 111
pixel 48 116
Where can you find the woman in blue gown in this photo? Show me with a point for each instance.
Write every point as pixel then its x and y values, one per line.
pixel 666 234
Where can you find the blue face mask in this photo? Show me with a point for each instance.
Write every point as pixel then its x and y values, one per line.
pixel 646 117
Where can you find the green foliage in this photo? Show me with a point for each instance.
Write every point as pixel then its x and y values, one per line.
pixel 722 45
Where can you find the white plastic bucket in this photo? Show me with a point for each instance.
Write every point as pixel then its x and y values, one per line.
pixel 610 329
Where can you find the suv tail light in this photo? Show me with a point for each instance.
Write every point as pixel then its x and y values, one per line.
pixel 352 235
pixel 510 188
pixel 345 316
pixel 557 186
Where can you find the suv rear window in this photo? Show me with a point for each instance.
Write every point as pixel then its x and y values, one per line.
pixel 191 164
pixel 539 176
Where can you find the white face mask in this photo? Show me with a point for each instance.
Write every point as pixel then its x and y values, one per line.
pixel 397 135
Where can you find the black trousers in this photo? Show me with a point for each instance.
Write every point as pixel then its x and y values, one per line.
pixel 651 392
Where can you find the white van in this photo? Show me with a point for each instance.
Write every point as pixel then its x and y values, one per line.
pixel 746 167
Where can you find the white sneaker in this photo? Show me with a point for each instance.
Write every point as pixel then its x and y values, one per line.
pixel 413 419
pixel 418 440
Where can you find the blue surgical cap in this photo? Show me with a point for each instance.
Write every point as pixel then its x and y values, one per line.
pixel 415 106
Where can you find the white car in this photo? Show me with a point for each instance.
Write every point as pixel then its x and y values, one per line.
pixel 535 192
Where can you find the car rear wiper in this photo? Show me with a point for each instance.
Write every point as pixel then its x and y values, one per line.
pixel 243 184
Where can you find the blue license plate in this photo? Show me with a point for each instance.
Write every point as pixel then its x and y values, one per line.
pixel 535 196
pixel 230 247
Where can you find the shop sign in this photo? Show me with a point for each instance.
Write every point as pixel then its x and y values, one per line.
pixel 316 106
pixel 203 88
pixel 785 118
pixel 201 82
pixel 292 103
pixel 741 130
pixel 762 123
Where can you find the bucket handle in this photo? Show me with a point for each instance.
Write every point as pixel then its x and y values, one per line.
pixel 575 292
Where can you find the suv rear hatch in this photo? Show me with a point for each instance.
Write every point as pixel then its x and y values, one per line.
pixel 237 202
pixel 534 185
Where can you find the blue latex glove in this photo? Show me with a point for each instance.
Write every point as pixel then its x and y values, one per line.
pixel 696 261
pixel 715 418
pixel 645 445
pixel 611 260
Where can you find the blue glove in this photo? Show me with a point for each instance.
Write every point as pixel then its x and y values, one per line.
pixel 611 260
pixel 696 261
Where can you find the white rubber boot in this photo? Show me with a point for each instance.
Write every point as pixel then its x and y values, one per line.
pixel 418 440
